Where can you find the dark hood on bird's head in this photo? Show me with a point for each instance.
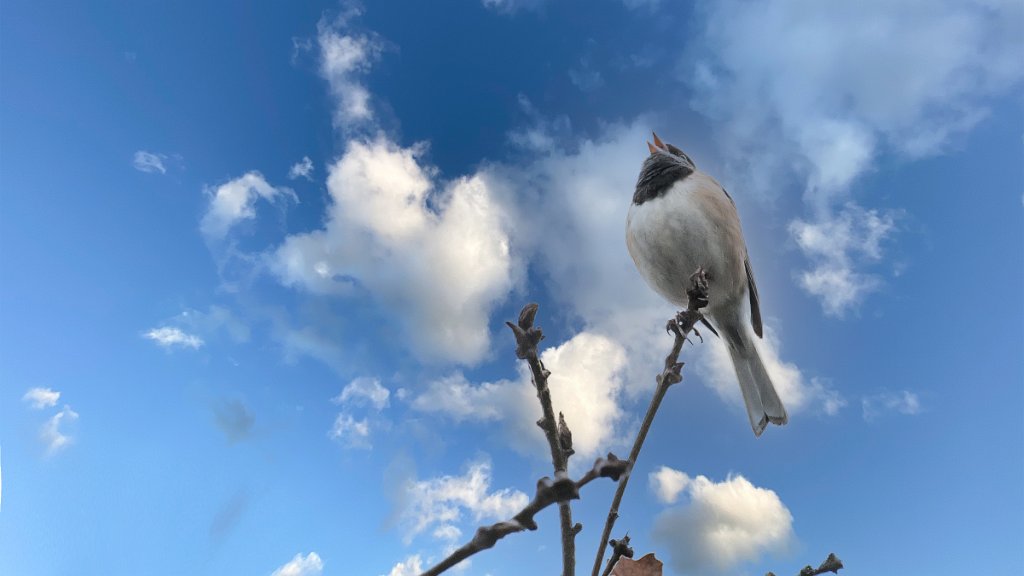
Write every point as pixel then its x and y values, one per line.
pixel 663 168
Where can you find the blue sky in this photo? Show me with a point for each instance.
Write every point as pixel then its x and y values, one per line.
pixel 255 265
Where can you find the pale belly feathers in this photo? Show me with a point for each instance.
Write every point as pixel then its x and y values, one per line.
pixel 693 225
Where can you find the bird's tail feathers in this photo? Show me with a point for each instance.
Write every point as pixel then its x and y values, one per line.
pixel 759 395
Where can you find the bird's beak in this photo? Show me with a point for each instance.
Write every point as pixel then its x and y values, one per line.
pixel 652 148
pixel 658 142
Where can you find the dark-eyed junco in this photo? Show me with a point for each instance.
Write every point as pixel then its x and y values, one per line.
pixel 681 219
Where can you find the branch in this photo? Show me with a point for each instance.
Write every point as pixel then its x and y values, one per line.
pixel 527 338
pixel 560 490
pixel 620 548
pixel 681 326
pixel 831 564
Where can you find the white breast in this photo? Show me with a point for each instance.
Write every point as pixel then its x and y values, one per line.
pixel 688 227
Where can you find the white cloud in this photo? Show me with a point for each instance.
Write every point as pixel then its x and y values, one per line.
pixel 577 239
pixel 343 57
pixel 447 532
pixel 838 245
pixel 821 89
pixel 441 267
pixel 52 435
pixel 301 169
pixel 235 201
pixel 442 502
pixel 461 400
pixel 40 398
pixel 667 483
pixel 169 337
pixel 724 525
pixel 902 402
pixel 310 565
pixel 798 393
pixel 148 162
pixel 585 383
pixel 412 566
pixel 351 432
pixel 368 390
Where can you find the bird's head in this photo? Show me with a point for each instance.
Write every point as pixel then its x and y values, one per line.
pixel 665 166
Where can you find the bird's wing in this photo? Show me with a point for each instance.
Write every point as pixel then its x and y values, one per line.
pixel 755 302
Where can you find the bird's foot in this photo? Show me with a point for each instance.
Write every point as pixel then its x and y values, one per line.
pixel 698 292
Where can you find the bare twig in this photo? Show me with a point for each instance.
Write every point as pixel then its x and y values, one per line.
pixel 527 338
pixel 562 489
pixel 620 548
pixel 680 326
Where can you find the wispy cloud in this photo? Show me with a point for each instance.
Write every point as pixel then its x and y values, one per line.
pixel 723 525
pixel 361 392
pixel 149 162
pixel 902 402
pixel 585 76
pixel 234 201
pixel 344 57
pixel 441 502
pixel 411 566
pixel 586 382
pixel 308 565
pixel 798 392
pixel 171 337
pixel 301 169
pixel 807 90
pixel 52 434
pixel 215 320
pixel 350 432
pixel 364 390
pixel 40 398
pixel 839 246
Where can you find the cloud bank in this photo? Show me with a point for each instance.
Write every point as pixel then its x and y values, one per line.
pixel 724 525
pixel 819 90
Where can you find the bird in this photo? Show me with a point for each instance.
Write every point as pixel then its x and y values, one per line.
pixel 681 220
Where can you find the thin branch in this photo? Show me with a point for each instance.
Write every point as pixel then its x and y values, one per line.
pixel 620 548
pixel 562 489
pixel 680 326
pixel 527 338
